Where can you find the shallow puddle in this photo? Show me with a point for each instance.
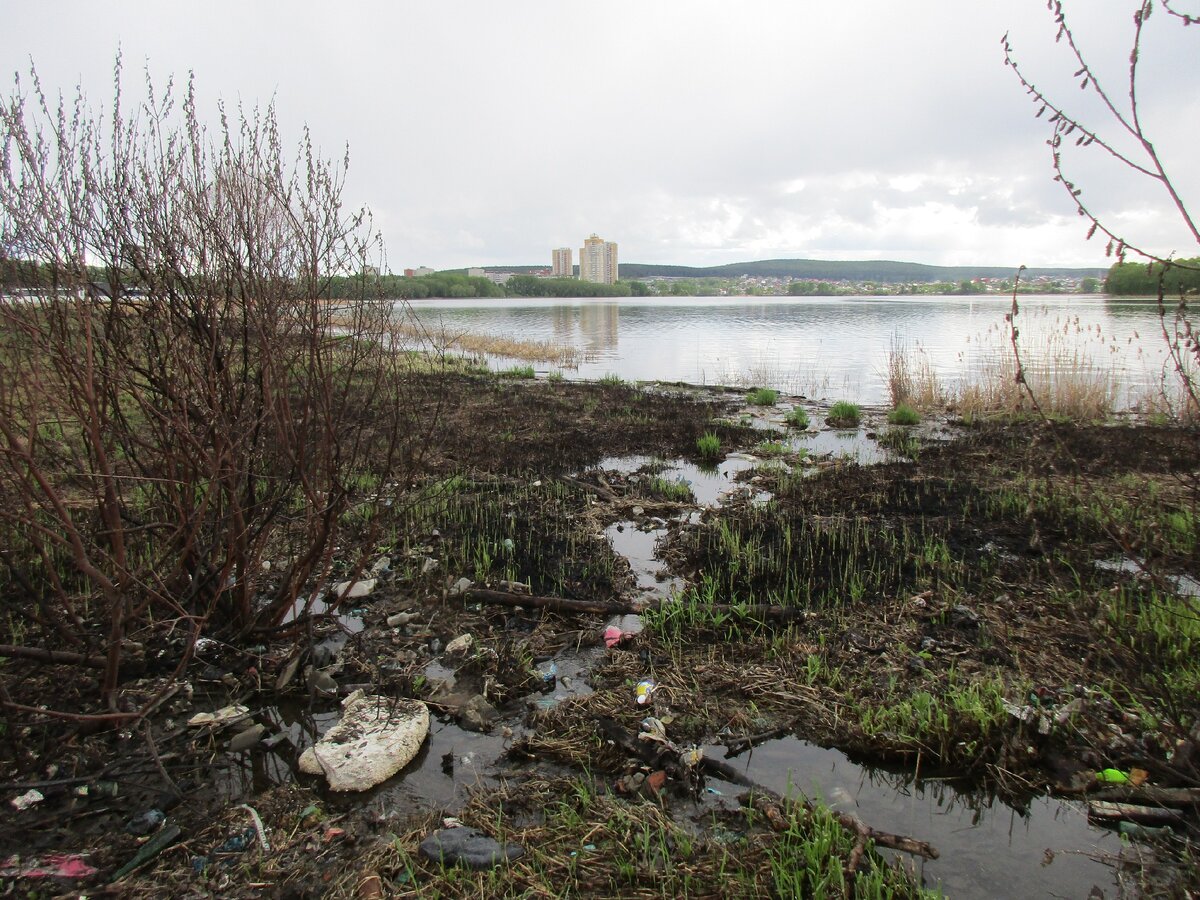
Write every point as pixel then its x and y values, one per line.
pixel 843 444
pixel 709 484
pixel 988 849
pixel 637 546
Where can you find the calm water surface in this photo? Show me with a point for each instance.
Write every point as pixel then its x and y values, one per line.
pixel 827 348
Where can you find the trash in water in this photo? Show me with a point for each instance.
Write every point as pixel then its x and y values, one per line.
pixel 645 688
pixel 469 847
pixel 376 738
pixel 53 865
pixel 653 730
pixel 238 842
pixel 223 716
pixel 156 845
pixel 460 644
pixel 147 823
pixel 27 799
pixel 247 738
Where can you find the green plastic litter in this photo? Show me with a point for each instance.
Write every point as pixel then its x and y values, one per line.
pixel 150 849
pixel 1112 776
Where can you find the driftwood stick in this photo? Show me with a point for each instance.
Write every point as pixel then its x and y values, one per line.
pixel 1104 811
pixel 64 657
pixel 737 746
pixel 599 490
pixel 1150 795
pixel 762 611
pixel 554 604
pixel 773 805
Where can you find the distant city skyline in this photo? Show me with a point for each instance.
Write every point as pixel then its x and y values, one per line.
pixel 598 261
pixel 560 263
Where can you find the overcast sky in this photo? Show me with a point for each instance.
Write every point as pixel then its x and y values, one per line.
pixel 689 131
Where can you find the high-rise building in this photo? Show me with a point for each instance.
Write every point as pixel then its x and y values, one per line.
pixel 562 265
pixel 598 261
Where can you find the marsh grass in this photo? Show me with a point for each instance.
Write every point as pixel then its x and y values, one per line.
pixel 675 490
pixel 467 343
pixel 797 417
pixel 951 722
pixel 1061 363
pixel 901 440
pixel 844 414
pixel 912 379
pixel 762 397
pixel 517 372
pixel 903 414
pixel 771 449
pixel 581 839
pixel 709 446
pixel 494 530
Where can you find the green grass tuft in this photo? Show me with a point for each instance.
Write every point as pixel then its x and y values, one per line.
pixel 797 417
pixel 844 414
pixel 904 414
pixel 762 397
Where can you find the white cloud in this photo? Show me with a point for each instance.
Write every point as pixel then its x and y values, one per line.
pixel 697 131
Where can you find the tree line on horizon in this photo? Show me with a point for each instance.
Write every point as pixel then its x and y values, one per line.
pixel 1125 279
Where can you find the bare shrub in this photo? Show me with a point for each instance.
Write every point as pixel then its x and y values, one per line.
pixel 183 425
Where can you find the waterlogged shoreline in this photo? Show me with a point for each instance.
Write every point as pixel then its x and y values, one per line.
pixel 952 658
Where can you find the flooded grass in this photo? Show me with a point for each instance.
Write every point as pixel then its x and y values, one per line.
pixel 944 616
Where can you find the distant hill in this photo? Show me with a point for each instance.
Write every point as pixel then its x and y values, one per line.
pixel 847 270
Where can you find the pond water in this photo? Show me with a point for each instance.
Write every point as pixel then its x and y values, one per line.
pixel 988 848
pixel 825 348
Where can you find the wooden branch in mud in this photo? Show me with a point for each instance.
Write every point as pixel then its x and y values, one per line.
pixel 62 657
pixel 1151 795
pixel 619 607
pixel 765 800
pixel 1105 811
pixel 774 807
pixel 554 604
pixel 601 491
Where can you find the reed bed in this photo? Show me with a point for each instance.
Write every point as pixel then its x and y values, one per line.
pixel 495 345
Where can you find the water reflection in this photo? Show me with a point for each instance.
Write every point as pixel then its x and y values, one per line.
pixel 988 848
pixel 830 348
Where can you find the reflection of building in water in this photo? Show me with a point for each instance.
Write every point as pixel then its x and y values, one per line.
pixel 562 267
pixel 599 325
pixel 598 261
pixel 562 324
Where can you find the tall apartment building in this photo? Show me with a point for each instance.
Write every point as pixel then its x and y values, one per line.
pixel 562 266
pixel 598 261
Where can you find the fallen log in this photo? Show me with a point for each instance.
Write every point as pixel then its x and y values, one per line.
pixel 1150 795
pixel 1104 811
pixel 554 604
pixel 62 657
pixel 762 611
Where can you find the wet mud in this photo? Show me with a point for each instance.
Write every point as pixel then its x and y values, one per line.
pixel 913 630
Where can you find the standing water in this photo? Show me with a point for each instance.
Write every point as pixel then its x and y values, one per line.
pixel 834 348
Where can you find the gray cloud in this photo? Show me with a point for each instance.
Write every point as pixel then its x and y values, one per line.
pixel 689 132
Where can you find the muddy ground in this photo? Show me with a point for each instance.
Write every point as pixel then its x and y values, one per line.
pixel 996 603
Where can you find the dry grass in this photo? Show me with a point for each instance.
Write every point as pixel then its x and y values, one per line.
pixel 912 379
pixel 404 327
pixel 495 345
pixel 1065 384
